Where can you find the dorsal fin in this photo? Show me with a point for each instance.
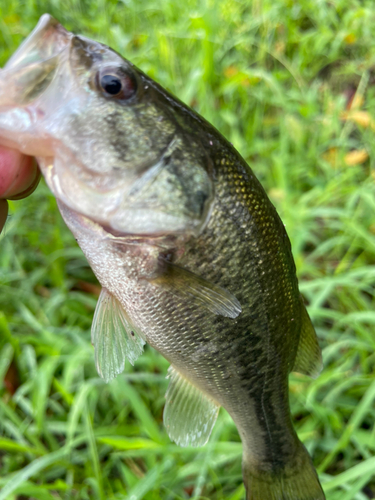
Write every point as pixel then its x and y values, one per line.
pixel 309 357
pixel 114 336
pixel 189 415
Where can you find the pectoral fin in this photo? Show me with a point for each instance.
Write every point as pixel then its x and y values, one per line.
pixel 309 357
pixel 187 284
pixel 114 337
pixel 189 415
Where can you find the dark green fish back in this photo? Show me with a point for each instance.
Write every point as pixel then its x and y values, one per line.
pixel 246 250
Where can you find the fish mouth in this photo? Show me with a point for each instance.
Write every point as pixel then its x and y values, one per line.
pixel 47 40
pixel 24 78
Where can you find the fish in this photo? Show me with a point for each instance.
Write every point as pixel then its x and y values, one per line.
pixel 191 254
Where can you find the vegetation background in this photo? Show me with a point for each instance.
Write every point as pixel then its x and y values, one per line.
pixel 291 84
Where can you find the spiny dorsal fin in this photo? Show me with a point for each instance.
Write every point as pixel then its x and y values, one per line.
pixel 114 337
pixel 189 415
pixel 309 357
pixel 187 284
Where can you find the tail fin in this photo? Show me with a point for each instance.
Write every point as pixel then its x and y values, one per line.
pixel 299 483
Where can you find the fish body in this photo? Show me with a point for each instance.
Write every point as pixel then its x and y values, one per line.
pixel 190 252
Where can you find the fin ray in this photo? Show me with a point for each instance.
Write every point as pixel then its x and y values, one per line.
pixel 114 337
pixel 189 415
pixel 187 284
pixel 309 357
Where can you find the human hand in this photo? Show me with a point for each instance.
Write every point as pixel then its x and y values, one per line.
pixel 19 176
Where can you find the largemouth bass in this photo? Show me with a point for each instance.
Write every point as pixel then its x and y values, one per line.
pixel 190 252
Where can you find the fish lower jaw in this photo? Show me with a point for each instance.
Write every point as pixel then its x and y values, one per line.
pixel 146 231
pixel 103 231
pixel 150 222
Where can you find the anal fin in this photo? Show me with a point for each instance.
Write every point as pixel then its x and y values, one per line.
pixel 309 357
pixel 114 337
pixel 189 415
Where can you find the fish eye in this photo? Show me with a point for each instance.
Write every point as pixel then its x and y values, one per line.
pixel 116 83
pixel 111 84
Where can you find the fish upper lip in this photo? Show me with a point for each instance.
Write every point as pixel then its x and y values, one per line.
pixel 40 52
pixel 48 39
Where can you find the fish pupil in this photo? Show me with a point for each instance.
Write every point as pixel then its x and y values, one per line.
pixel 111 84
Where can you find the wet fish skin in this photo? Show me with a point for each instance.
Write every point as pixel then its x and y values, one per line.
pixel 227 244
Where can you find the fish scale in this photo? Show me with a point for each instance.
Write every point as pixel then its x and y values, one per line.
pixel 169 321
pixel 254 324
pixel 190 252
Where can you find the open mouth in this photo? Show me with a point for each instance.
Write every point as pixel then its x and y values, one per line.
pixel 25 76
pixel 45 41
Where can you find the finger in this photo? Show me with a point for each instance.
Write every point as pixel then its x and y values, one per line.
pixel 3 213
pixel 18 173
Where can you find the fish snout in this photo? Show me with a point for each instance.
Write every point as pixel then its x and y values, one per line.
pixel 47 39
pixel 23 81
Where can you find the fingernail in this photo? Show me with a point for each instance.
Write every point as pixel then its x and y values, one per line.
pixel 30 189
pixel 3 213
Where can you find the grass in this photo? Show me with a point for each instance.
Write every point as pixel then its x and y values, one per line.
pixel 276 78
